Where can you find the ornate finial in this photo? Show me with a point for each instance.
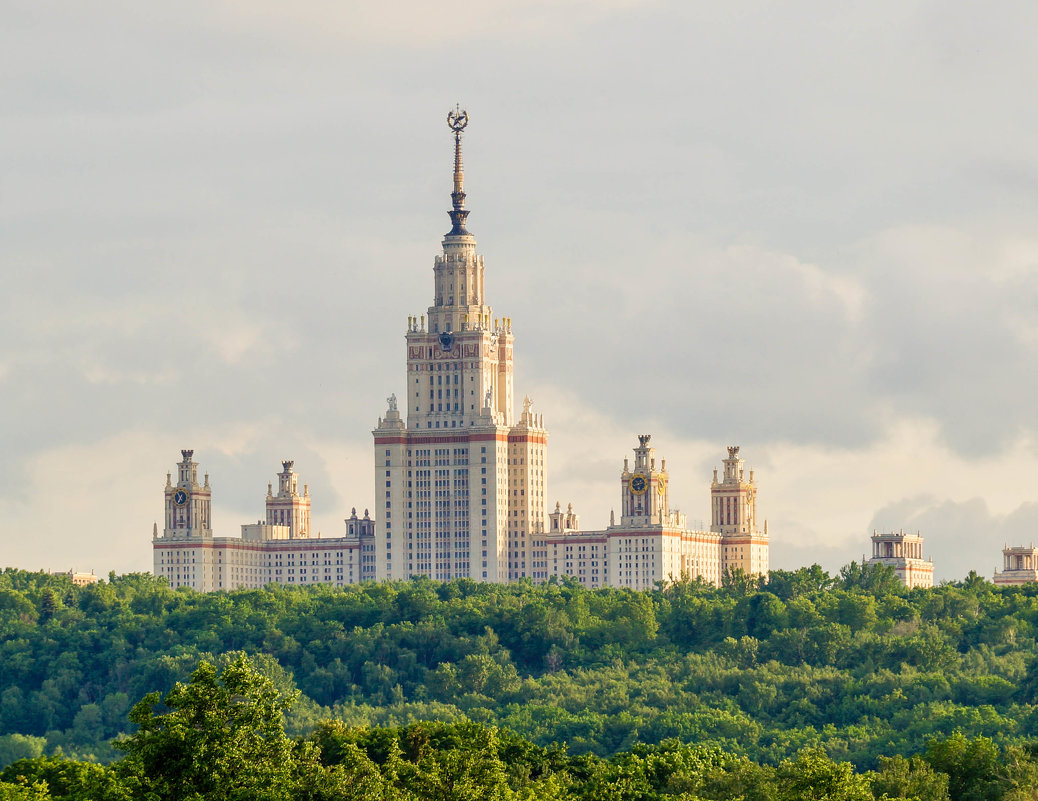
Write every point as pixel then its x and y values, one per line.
pixel 287 465
pixel 644 439
pixel 187 455
pixel 457 120
pixel 733 451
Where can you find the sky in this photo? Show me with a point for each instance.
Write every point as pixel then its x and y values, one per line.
pixel 804 228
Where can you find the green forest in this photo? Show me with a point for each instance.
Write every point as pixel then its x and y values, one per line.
pixel 773 690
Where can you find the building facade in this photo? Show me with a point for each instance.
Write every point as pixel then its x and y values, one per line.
pixel 733 515
pixel 459 481
pixel 653 543
pixel 904 553
pixel 276 550
pixel 1019 566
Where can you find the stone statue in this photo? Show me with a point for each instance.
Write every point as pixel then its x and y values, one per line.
pixel 391 400
pixel 486 400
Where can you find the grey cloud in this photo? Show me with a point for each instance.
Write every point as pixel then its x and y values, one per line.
pixel 214 217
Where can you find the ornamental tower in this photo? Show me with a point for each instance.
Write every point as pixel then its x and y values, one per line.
pixel 1020 565
pixel 733 515
pixel 288 507
pixel 643 490
pixel 652 542
pixel 463 481
pixel 904 553
pixel 187 504
pixel 184 551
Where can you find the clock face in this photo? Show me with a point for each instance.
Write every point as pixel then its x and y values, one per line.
pixel 639 483
pixel 180 497
pixel 446 340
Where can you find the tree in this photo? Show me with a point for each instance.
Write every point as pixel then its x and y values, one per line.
pixel 19 746
pixel 453 762
pixel 876 578
pixel 66 779
pixel 813 776
pixel 789 584
pixel 23 792
pixel 974 767
pixel 222 737
pixel 738 582
pixel 48 605
pixel 909 778
pixel 765 613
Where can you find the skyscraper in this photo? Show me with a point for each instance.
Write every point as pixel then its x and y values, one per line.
pixel 463 479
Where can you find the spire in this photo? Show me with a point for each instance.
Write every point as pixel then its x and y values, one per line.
pixel 456 121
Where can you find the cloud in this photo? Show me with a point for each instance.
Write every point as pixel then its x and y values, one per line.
pixel 806 233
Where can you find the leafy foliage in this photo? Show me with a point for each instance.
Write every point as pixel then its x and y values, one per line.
pixel 854 664
pixel 221 736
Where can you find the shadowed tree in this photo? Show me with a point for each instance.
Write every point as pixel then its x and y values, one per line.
pixel 813 776
pixel 220 737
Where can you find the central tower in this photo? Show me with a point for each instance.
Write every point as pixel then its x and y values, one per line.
pixel 463 480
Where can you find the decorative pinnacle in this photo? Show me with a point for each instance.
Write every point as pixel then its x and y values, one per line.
pixel 457 120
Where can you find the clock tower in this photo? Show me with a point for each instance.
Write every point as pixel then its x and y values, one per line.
pixel 643 489
pixel 188 504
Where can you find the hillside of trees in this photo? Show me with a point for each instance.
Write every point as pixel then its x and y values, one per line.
pixel 221 736
pixel 853 667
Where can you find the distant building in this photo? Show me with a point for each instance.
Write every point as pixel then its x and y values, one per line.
pixel 904 553
pixel 79 579
pixel 277 550
pixel 1020 566
pixel 734 516
pixel 461 480
pixel 653 542
pixel 650 542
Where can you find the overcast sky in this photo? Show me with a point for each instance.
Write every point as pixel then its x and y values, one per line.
pixel 805 228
